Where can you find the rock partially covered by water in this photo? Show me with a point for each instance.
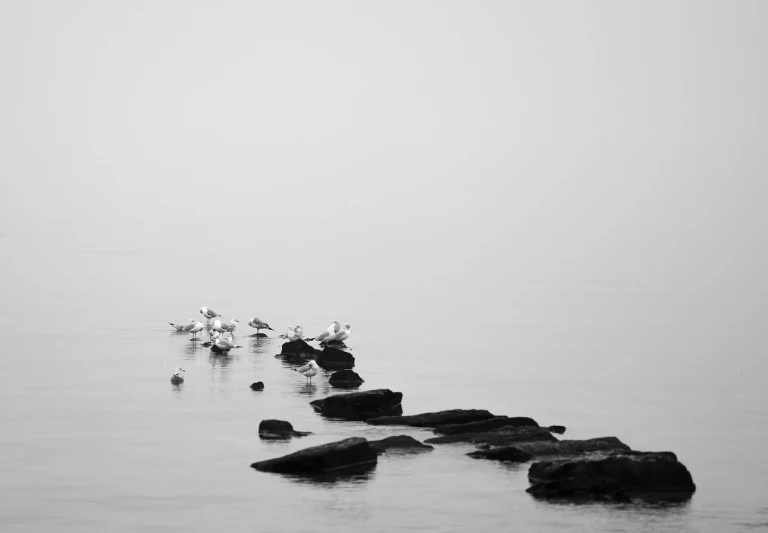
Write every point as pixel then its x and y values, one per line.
pixel 615 477
pixel 345 379
pixel 506 454
pixel 331 358
pixel 257 386
pixel 298 349
pixel 574 447
pixel 431 420
pixel 334 456
pixel 279 429
pixel 557 429
pixel 504 436
pixel 360 405
pixel 260 335
pixel 401 444
pixel 486 425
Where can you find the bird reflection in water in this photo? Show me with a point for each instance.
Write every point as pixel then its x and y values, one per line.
pixel 189 350
pixel 307 389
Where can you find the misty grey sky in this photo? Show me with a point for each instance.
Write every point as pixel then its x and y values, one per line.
pixel 448 146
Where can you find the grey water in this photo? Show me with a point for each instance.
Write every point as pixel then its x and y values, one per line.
pixel 96 438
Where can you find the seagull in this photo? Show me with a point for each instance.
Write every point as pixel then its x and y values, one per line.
pixel 198 327
pixel 217 326
pixel 345 335
pixel 232 326
pixel 308 370
pixel 291 335
pixel 224 344
pixel 335 337
pixel 259 324
pixel 208 313
pixel 184 327
pixel 332 330
pixel 213 335
pixel 178 375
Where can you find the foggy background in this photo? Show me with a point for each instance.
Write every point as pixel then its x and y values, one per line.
pixel 424 166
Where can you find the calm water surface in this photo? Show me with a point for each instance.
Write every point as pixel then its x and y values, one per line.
pixel 96 438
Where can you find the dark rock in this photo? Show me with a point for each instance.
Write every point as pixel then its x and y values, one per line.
pixel 557 429
pixel 360 405
pixel 399 443
pixel 507 454
pixel 345 379
pixel 430 420
pixel 299 349
pixel 573 447
pixel 334 456
pixel 257 386
pixel 216 349
pixel 279 429
pixel 503 436
pixel 332 357
pixel 176 380
pixel 614 477
pixel 207 344
pixel 336 344
pixel 486 425
pixel 260 335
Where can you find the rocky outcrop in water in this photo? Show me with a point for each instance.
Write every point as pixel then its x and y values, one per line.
pixel 257 386
pixel 331 457
pixel 332 358
pixel 504 436
pixel 557 429
pixel 431 420
pixel 400 444
pixel 617 477
pixel 360 405
pixel 345 379
pixel 506 454
pixel 298 349
pixel 279 429
pixel 486 425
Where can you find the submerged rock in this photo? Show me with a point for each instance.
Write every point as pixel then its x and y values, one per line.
pixel 360 405
pixel 279 429
pixel 439 418
pixel 334 456
pixel 332 357
pixel 557 429
pixel 257 386
pixel 617 476
pixel 499 437
pixel 573 447
pixel 260 335
pixel 486 425
pixel 400 443
pixel 345 379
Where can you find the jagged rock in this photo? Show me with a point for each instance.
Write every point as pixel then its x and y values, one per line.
pixel 360 405
pixel 615 476
pixel 334 456
pixel 257 386
pixel 507 454
pixel 557 429
pixel 298 349
pixel 279 429
pixel 332 357
pixel 486 425
pixel 430 420
pixel 345 379
pixel 400 443
pixel 504 436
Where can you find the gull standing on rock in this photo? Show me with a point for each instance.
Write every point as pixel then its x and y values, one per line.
pixel 332 330
pixel 345 333
pixel 308 370
pixel 259 324
pixel 209 313
pixel 178 375
pixel 224 344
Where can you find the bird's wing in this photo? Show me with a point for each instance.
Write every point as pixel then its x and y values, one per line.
pixel 304 368
pixel 322 336
pixel 178 328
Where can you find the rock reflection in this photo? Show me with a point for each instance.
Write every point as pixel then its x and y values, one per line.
pixel 347 477
pixel 176 388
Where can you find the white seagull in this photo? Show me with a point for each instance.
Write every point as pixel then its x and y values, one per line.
pixel 198 327
pixel 259 324
pixel 224 344
pixel 184 327
pixel 232 326
pixel 308 370
pixel 208 313
pixel 345 335
pixel 333 329
pixel 178 375
pixel 291 335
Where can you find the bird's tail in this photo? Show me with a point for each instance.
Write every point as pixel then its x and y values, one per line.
pixel 174 326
